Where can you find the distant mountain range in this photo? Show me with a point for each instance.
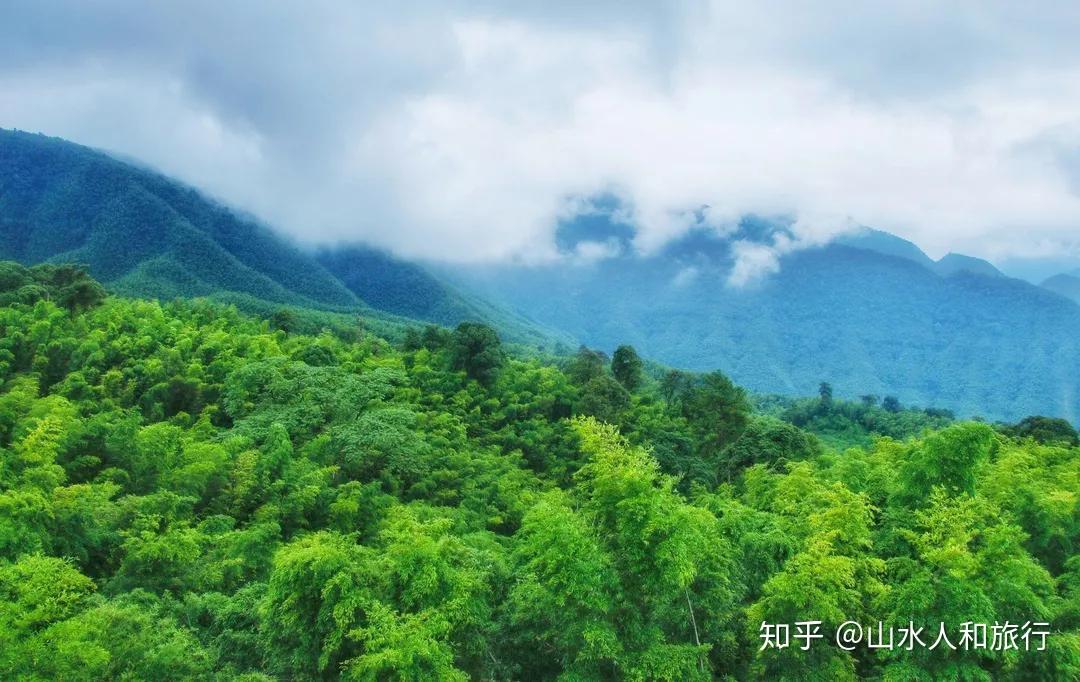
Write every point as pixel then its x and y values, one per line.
pixel 1067 284
pixel 891 245
pixel 870 313
pixel 143 234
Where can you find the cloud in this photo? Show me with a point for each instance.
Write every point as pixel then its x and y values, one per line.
pixel 466 134
pixel 686 276
pixel 754 260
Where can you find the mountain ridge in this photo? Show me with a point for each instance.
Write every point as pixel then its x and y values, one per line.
pixel 865 321
pixel 1066 284
pixel 870 313
pixel 144 234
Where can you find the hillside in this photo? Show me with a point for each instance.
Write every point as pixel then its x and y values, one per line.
pixel 396 286
pixel 886 244
pixel 1066 284
pixel 143 234
pixel 953 263
pixel 868 320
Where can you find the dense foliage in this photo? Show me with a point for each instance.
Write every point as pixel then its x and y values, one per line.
pixel 69 286
pixel 190 493
pixel 849 423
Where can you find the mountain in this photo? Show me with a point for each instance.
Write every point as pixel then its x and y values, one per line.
pixel 143 234
pixel 886 244
pixel 1067 284
pixel 870 313
pixel 407 289
pixel 953 263
pixel 1036 269
pixel 880 320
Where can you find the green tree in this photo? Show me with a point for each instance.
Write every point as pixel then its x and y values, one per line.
pixel 626 367
pixel 675 385
pixel 825 392
pixel 768 440
pixel 948 460
pixel 603 398
pixel 477 351
pixel 1046 430
pixel 717 411
pixel 586 365
pixel 284 320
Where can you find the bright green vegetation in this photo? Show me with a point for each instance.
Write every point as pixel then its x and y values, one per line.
pixel 187 493
pixel 845 423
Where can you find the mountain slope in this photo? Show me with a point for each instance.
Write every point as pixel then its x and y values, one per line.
pixel 886 244
pixel 866 321
pixel 407 289
pixel 143 234
pixel 952 263
pixel 1067 284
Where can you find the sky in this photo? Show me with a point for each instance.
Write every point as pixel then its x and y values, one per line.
pixel 467 131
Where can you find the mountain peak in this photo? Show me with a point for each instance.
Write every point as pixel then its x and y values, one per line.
pixel 885 243
pixel 1066 284
pixel 952 263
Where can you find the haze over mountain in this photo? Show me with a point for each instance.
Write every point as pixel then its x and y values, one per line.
pixel 870 313
pixel 1067 284
pixel 463 131
pixel 143 234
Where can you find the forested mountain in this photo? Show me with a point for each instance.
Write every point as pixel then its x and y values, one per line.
pixel 146 235
pixel 142 233
pixel 1067 284
pixel 886 244
pixel 396 286
pixel 187 493
pixel 869 313
pixel 952 263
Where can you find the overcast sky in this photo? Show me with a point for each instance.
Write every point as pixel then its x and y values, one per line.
pixel 466 132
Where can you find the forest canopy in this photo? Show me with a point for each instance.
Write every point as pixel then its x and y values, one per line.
pixel 187 492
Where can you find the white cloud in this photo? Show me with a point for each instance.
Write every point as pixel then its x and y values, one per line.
pixel 686 276
pixel 754 260
pixel 463 135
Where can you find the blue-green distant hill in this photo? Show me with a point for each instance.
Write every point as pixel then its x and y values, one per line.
pixel 143 234
pixel 407 289
pixel 953 263
pixel 1067 284
pixel 869 313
